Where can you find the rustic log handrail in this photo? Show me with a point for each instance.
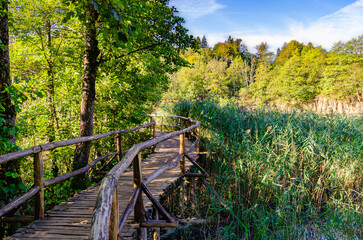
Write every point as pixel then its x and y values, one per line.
pixel 54 145
pixel 20 200
pixel 38 189
pixel 103 207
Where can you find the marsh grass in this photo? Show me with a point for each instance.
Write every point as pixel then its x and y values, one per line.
pixel 285 175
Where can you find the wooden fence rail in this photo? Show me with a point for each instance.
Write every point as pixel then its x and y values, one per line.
pixel 39 183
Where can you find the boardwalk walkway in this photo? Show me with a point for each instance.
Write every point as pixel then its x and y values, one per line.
pixel 72 219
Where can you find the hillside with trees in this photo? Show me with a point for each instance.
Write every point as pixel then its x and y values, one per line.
pixel 297 75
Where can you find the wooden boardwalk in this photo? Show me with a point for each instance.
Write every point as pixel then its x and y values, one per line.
pixel 72 219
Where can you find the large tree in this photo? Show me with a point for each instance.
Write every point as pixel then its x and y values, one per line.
pixel 37 67
pixel 7 109
pixel 114 30
pixel 10 182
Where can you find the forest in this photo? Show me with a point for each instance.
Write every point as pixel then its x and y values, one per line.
pixel 70 69
pixel 297 74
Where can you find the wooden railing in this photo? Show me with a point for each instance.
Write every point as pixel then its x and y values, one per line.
pixel 106 223
pixel 37 190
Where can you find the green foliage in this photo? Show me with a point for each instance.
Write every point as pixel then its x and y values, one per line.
pixel 297 79
pixel 284 175
pixel 299 73
pixel 343 76
pixel 293 48
pixel 7 189
pixel 303 73
pixel 140 44
pixel 353 46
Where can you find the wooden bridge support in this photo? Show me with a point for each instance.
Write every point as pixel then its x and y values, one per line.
pixel 182 166
pixel 114 217
pixel 198 137
pixel 39 181
pixel 119 146
pixel 156 230
pixel 139 212
pixel 152 133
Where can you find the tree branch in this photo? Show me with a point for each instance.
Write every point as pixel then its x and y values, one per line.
pixel 133 51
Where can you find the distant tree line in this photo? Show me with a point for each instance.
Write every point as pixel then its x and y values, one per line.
pixel 296 73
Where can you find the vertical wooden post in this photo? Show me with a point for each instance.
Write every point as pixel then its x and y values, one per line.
pixel 38 181
pixel 152 134
pixel 182 150
pixel 119 146
pixel 198 137
pixel 139 211
pixel 182 167
pixel 113 233
pixel 161 126
pixel 193 194
pixel 190 132
pixel 156 230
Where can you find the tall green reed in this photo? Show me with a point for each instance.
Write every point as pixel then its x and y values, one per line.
pixel 287 175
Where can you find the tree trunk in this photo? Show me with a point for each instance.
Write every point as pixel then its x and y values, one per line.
pixel 8 114
pixel 53 119
pixel 5 99
pixel 90 56
pixel 252 71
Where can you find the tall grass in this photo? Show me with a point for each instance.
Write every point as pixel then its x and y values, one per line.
pixel 286 175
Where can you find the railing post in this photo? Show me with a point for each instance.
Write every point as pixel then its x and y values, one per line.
pixel 119 146
pixel 156 230
pixel 162 123
pixel 198 137
pixel 113 233
pixel 182 151
pixel 139 211
pixel 38 181
pixel 182 167
pixel 152 133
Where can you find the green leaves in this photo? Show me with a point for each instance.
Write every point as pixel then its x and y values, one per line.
pixel 12 174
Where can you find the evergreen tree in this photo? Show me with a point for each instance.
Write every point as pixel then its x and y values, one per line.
pixel 199 41
pixel 204 42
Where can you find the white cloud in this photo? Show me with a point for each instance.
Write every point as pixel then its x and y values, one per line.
pixel 341 25
pixel 192 9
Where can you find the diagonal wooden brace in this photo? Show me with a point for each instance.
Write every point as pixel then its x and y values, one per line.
pixel 157 205
pixel 192 160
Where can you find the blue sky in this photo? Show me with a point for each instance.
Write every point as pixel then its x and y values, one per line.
pixel 322 22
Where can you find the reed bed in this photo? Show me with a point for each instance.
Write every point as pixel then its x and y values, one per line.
pixel 285 175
